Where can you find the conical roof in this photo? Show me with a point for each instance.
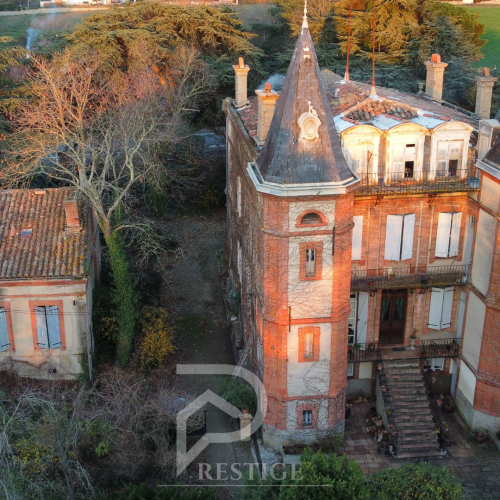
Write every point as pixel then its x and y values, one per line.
pixel 287 157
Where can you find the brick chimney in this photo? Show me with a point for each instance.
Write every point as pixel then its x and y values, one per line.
pixel 241 72
pixel 267 102
pixel 72 219
pixel 435 75
pixel 485 86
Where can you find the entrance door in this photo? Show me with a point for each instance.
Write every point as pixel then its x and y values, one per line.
pixel 392 317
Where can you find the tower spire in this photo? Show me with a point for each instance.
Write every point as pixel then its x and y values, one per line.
pixel 304 19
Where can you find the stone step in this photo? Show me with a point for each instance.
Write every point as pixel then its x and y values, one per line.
pixel 417 408
pixel 407 440
pixel 400 389
pixel 418 446
pixel 418 453
pixel 413 427
pixel 407 398
pixel 406 417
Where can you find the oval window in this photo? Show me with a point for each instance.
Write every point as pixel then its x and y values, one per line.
pixel 311 218
pixel 310 128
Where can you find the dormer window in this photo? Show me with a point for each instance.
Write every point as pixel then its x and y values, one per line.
pixel 26 233
pixel 311 218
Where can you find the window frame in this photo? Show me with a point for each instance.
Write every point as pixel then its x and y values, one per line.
pixel 8 317
pixel 302 334
pixel 324 221
pixel 441 304
pixel 317 246
pixel 405 237
pixel 47 303
pixel 451 235
pixel 307 418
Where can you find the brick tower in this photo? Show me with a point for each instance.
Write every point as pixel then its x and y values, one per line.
pixel 290 218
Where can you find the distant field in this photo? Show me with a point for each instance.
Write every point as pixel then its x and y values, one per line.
pixel 50 24
pixel 491 17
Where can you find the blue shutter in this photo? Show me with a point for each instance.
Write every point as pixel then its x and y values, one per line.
pixel 53 326
pixel 41 328
pixel 4 331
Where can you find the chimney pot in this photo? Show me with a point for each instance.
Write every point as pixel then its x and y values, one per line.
pixel 267 102
pixel 435 75
pixel 72 219
pixel 484 94
pixel 241 74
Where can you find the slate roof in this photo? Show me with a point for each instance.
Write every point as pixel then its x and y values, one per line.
pixel 286 159
pixel 49 251
pixel 493 155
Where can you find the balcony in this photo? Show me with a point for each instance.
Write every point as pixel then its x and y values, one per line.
pixel 408 277
pixel 440 348
pixel 362 353
pixel 441 181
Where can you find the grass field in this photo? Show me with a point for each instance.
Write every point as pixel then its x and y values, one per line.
pixel 46 24
pixel 491 17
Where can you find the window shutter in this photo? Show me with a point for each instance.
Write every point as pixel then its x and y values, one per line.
pixel 41 328
pixel 437 364
pixel 455 234
pixel 398 157
pixel 238 196
pixel 436 308
pixel 357 237
pixel 408 231
pixel 410 153
pixel 447 305
pixel 4 331
pixel 455 148
pixel 443 234
pixel 393 237
pixel 442 159
pixel 362 316
pixel 52 313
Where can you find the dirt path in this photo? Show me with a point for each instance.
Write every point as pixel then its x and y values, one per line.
pixel 193 295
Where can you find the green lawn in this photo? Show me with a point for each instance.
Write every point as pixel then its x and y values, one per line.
pixel 491 17
pixel 50 24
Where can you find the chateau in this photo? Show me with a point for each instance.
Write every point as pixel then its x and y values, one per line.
pixel 363 248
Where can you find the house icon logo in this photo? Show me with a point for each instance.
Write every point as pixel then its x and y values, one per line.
pixel 184 457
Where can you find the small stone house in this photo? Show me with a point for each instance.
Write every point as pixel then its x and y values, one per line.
pixel 49 260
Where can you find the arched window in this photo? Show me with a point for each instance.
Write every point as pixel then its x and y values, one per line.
pixel 311 218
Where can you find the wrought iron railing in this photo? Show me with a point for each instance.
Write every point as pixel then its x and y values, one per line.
pixel 365 352
pixel 440 348
pixel 388 403
pixel 436 412
pixel 422 276
pixel 440 181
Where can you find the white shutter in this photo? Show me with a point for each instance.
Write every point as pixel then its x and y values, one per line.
pixel 41 328
pixel 357 237
pixel 362 316
pixel 393 237
pixel 436 309
pixel 398 157
pixel 410 153
pixel 442 159
pixel 455 234
pixel 4 331
pixel 52 314
pixel 408 231
pixel 443 234
pixel 437 364
pixel 455 148
pixel 447 305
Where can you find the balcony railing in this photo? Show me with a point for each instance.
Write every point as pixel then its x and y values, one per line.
pixel 408 277
pixel 440 181
pixel 361 353
pixel 440 348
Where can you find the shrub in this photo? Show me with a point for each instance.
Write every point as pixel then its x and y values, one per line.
pixel 238 393
pixel 335 476
pixel 157 342
pixel 420 481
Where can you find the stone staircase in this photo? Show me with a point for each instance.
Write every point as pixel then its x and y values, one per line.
pixel 412 413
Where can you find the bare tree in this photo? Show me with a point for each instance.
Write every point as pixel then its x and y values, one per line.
pixel 101 134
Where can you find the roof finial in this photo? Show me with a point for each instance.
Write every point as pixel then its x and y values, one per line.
pixel 304 21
